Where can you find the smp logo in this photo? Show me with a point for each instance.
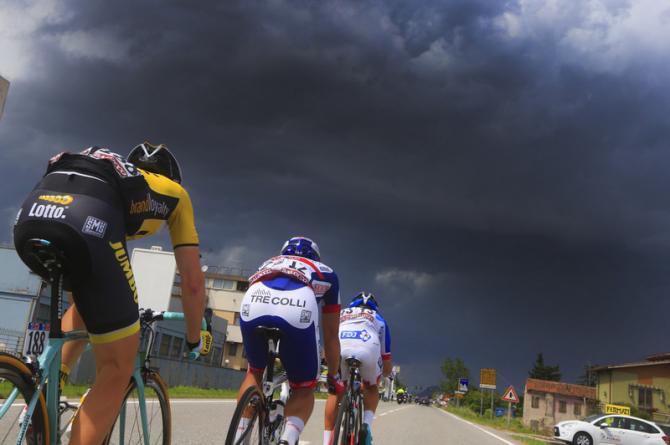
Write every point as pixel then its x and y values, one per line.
pixel 57 199
pixel 48 211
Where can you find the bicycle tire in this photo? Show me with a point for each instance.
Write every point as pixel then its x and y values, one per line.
pixel 253 399
pixel 160 408
pixel 341 420
pixel 15 374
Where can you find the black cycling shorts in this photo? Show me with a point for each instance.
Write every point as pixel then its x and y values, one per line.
pixel 83 217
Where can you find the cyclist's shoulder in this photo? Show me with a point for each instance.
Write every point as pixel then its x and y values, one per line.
pixel 163 185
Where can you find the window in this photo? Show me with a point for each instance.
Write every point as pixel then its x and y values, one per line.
pixel 645 399
pixel 642 427
pixel 236 320
pixel 164 348
pixel 217 283
pixel 562 406
pixel 535 403
pixel 232 349
pixel 176 347
pixel 242 286
pixel 577 409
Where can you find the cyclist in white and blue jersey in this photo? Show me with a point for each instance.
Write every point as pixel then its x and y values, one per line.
pixel 364 335
pixel 287 293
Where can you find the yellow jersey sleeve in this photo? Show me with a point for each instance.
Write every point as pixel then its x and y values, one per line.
pixel 182 223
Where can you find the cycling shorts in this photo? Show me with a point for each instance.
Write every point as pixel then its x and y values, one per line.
pixel 295 313
pixel 363 346
pixel 82 216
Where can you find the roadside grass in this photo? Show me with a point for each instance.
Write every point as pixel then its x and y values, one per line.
pixel 176 392
pixel 499 423
pixel 529 440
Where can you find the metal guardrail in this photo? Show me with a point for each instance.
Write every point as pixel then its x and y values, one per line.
pixel 11 341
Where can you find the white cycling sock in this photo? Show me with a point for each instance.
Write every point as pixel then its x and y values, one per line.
pixel 327 435
pixel 241 428
pixel 292 430
pixel 368 417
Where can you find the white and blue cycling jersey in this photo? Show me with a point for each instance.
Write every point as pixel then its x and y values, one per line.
pixel 364 325
pixel 286 293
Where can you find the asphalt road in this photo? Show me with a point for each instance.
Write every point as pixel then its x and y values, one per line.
pixel 206 421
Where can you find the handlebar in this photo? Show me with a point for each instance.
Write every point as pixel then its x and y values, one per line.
pixel 149 316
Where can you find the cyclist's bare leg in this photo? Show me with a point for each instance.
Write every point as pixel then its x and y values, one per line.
pixel 250 379
pixel 331 411
pixel 72 349
pixel 370 397
pixel 114 364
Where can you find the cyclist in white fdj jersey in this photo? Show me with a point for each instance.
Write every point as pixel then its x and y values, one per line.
pixel 286 293
pixel 364 335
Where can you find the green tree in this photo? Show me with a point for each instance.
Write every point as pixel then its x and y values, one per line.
pixel 588 377
pixel 544 372
pixel 452 370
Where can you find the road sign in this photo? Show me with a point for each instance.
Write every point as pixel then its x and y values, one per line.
pixel 617 409
pixel 510 395
pixel 4 88
pixel 487 378
pixel 463 385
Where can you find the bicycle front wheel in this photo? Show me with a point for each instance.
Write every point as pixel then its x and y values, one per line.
pixel 251 408
pixel 16 391
pixel 128 427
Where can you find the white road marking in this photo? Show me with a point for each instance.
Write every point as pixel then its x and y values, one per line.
pixel 505 441
pixel 393 410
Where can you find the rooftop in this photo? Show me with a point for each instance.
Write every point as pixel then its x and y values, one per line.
pixel 662 358
pixel 565 389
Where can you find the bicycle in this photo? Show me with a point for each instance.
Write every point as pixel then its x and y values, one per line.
pixel 259 406
pixel 28 382
pixel 349 420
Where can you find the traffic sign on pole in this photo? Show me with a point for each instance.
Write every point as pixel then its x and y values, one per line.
pixel 463 385
pixel 487 378
pixel 510 395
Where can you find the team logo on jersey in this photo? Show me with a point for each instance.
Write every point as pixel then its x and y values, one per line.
pixel 48 211
pixel 94 226
pixel 305 316
pixel 356 335
pixel 245 310
pixel 57 199
pixel 124 263
pixel 149 205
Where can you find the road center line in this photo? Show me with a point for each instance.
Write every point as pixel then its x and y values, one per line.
pixel 505 441
pixel 393 411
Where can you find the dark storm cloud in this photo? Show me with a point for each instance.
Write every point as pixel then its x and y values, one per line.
pixel 504 187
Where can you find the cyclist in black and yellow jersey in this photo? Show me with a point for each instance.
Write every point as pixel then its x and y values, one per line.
pixel 87 205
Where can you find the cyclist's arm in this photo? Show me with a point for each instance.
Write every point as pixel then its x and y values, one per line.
pixel 331 342
pixel 192 289
pixel 386 349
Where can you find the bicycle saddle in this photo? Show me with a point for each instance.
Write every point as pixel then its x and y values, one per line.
pixel 353 362
pixel 268 333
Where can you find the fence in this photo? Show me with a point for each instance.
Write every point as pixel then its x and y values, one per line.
pixel 174 372
pixel 11 340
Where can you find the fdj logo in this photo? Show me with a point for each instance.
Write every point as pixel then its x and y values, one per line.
pixel 355 335
pixel 47 211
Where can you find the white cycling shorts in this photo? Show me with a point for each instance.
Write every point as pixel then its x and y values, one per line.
pixel 369 354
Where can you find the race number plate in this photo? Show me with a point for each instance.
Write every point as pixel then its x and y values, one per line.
pixel 37 338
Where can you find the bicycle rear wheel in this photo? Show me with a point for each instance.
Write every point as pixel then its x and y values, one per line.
pixel 341 421
pixel 16 389
pixel 128 427
pixel 251 406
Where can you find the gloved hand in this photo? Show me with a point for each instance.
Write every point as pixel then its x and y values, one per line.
pixel 203 347
pixel 335 384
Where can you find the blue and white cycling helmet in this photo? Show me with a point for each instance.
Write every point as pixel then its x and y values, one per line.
pixel 364 299
pixel 301 246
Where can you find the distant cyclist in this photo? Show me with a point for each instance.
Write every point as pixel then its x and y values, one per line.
pixel 286 293
pixel 364 335
pixel 87 205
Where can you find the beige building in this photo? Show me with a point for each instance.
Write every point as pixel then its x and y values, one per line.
pixel 225 291
pixel 546 403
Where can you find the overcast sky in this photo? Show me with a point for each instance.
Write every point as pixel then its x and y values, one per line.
pixel 495 171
